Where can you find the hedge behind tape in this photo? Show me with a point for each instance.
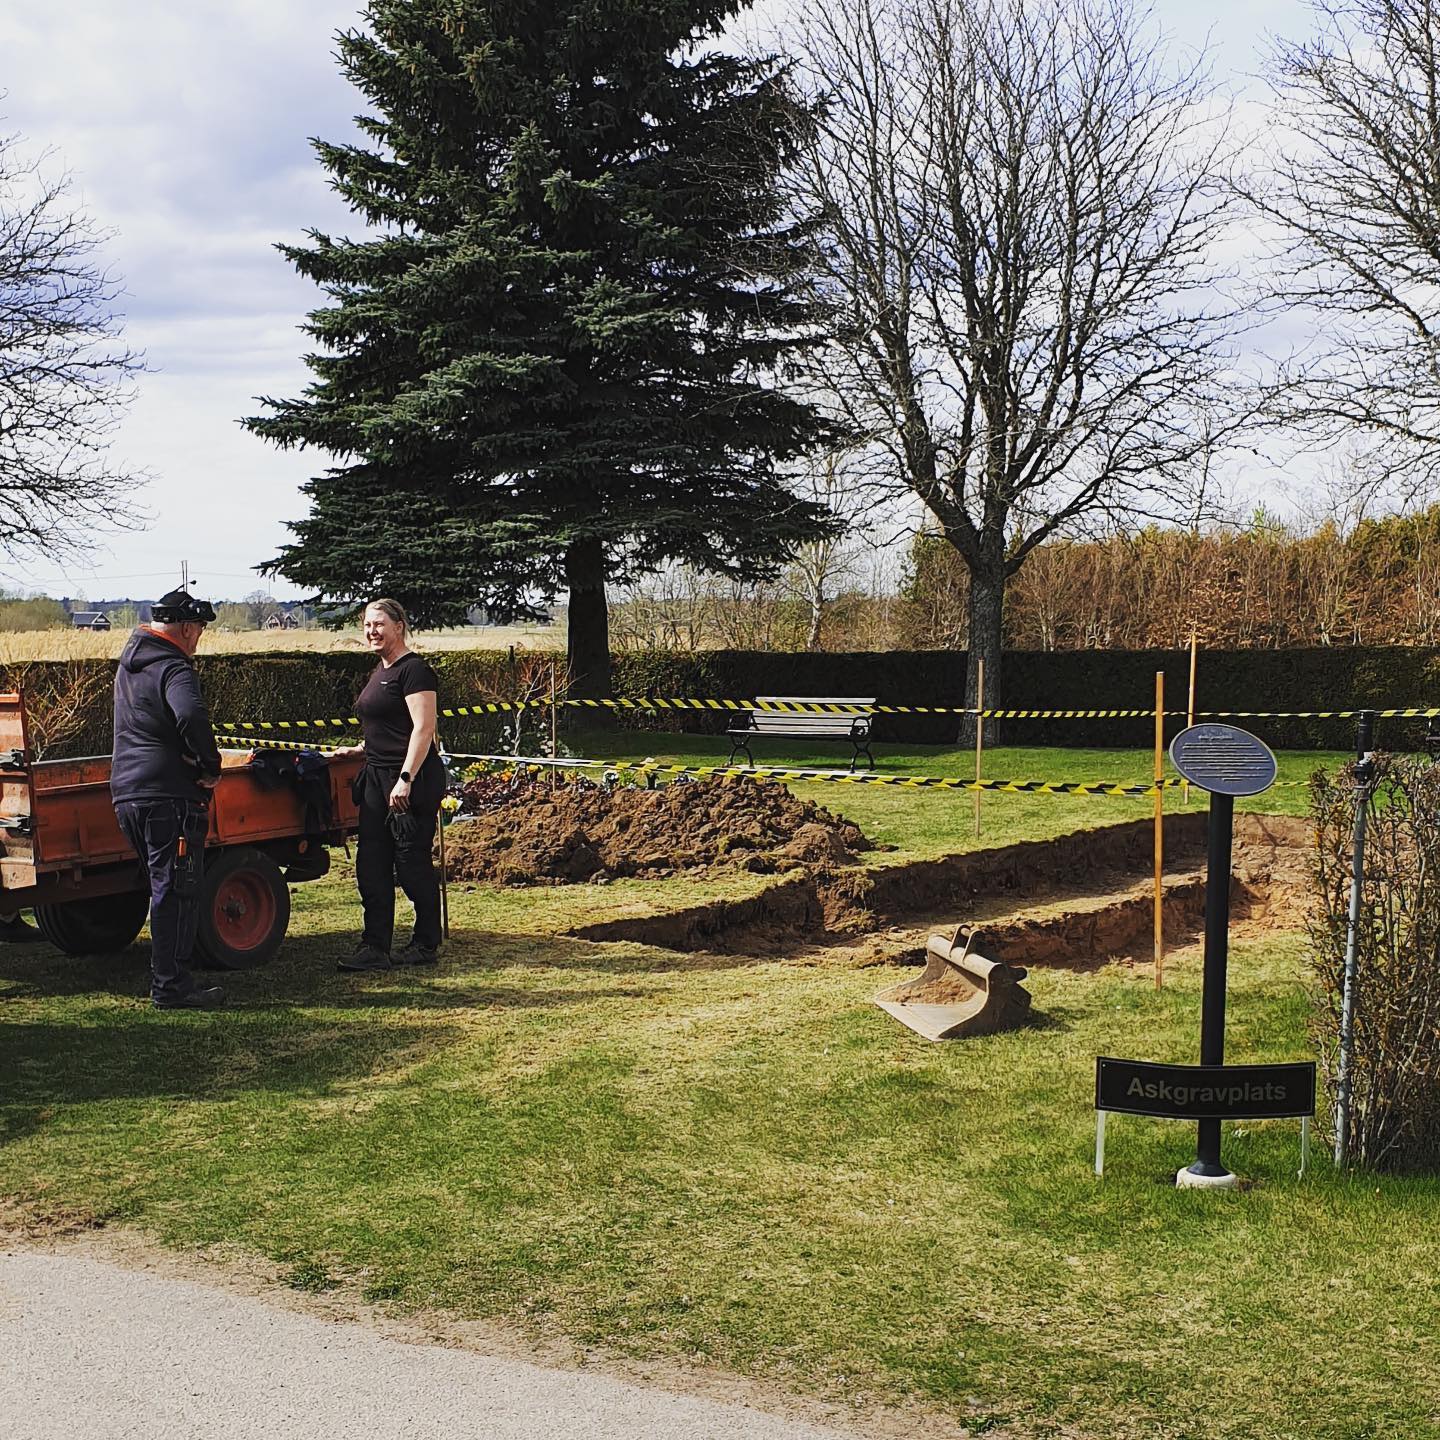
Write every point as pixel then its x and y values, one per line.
pixel 289 686
pixel 1312 679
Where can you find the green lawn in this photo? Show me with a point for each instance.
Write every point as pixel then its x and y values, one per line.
pixel 942 821
pixel 746 1161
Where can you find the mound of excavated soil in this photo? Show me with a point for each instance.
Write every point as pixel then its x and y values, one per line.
pixel 538 835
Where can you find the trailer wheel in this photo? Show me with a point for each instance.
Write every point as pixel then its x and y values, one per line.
pixel 96 926
pixel 244 910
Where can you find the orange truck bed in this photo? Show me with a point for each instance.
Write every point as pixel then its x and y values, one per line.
pixel 60 844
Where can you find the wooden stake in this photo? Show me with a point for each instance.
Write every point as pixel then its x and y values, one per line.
pixel 1190 711
pixel 979 733
pixel 554 753
pixel 1159 826
pixel 444 884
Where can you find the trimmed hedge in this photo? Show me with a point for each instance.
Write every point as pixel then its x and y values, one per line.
pixel 289 687
pixel 241 688
pixel 1311 679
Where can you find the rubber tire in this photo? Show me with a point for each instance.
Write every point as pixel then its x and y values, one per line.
pixel 244 910
pixel 100 925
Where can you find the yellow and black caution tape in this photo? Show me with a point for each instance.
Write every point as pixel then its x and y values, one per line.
pixel 1411 712
pixel 779 772
pixel 838 707
pixel 829 777
pixel 830 707
pixel 253 742
pixel 666 702
pixel 351 722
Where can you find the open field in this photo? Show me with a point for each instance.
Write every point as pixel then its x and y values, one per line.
pixel 735 1158
pixel 106 645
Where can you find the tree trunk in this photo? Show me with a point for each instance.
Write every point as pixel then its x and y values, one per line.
pixel 817 615
pixel 987 614
pixel 589 628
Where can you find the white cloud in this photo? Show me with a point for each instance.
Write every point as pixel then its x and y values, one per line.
pixel 186 129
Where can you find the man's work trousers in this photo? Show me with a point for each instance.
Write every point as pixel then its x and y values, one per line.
pixel 397 848
pixel 169 838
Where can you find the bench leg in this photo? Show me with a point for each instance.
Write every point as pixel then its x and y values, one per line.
pixel 859 751
pixel 735 747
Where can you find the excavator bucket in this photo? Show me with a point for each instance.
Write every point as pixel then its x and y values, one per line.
pixel 960 993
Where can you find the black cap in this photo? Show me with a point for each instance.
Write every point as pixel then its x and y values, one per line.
pixel 179 607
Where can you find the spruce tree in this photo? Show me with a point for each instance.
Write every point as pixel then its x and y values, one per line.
pixel 552 359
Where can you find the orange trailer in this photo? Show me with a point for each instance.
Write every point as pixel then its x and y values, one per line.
pixel 63 855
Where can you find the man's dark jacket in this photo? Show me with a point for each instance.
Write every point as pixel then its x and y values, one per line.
pixel 163 740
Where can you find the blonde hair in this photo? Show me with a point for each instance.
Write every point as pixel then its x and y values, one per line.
pixel 395 610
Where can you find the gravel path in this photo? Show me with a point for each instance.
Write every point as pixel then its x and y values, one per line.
pixel 99 1351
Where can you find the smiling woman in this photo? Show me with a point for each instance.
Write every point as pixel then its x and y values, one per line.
pixel 399 793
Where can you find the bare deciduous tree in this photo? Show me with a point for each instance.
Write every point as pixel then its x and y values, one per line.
pixel 64 374
pixel 1354 189
pixel 819 568
pixel 1018 204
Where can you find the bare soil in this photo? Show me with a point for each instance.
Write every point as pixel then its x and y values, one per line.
pixel 1078 901
pixel 575 832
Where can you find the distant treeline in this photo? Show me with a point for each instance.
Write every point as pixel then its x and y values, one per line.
pixel 1265 587
pixel 40 612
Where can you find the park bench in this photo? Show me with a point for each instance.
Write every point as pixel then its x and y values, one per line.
pixel 804 725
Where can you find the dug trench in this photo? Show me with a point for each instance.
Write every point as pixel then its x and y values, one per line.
pixel 1077 901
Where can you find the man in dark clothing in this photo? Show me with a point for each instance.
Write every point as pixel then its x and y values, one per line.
pixel 165 765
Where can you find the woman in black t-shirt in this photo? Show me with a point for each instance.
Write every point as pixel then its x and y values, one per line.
pixel 399 793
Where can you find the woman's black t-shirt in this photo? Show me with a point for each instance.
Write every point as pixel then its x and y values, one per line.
pixel 384 716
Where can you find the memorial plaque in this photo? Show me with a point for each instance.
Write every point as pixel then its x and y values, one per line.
pixel 1223 759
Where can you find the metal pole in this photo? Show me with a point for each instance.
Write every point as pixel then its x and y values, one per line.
pixel 1217 957
pixel 554 774
pixel 979 733
pixel 1159 828
pixel 1190 710
pixel 1364 774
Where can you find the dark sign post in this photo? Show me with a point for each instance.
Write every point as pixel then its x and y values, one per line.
pixel 1226 762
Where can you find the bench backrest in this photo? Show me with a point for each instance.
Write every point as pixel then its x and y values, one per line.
pixel 808 722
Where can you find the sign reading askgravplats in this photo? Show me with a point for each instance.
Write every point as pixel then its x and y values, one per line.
pixel 1223 759
pixel 1205 1092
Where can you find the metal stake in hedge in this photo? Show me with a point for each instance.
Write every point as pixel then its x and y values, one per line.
pixel 1364 779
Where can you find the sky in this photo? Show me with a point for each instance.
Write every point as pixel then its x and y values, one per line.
pixel 185 126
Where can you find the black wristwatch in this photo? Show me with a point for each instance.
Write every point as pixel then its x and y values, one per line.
pixel 405 776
